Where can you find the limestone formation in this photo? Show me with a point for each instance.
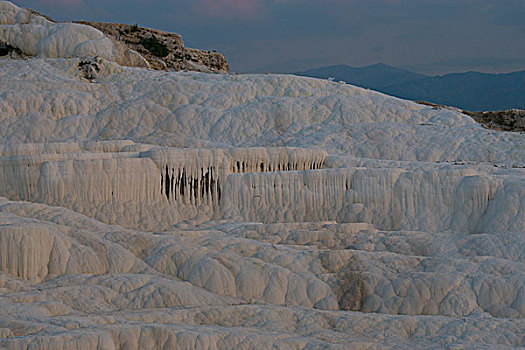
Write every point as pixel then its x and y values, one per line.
pixel 34 35
pixel 511 120
pixel 144 209
pixel 162 50
pixel 26 32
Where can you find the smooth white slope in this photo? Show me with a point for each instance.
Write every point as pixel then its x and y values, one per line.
pixel 46 100
pixel 416 232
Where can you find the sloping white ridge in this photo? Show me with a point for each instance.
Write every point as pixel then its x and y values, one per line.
pixel 159 210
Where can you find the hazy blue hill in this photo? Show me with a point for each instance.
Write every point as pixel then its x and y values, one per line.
pixel 373 77
pixel 470 91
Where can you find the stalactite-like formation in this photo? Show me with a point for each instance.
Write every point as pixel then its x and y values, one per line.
pixel 244 167
pixel 194 176
pixel 274 159
pixel 196 187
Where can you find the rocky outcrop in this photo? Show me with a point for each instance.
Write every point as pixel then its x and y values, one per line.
pixel 34 35
pixel 27 33
pixel 163 50
pixel 511 120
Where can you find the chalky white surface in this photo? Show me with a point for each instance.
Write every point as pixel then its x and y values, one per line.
pixel 312 215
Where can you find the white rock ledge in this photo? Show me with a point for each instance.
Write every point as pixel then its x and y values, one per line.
pixel 154 210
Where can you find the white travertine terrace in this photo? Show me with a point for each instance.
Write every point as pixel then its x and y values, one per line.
pixel 162 210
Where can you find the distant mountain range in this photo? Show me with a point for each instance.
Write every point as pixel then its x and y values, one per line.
pixel 471 91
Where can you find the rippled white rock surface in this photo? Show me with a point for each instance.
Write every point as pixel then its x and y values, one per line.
pixel 148 209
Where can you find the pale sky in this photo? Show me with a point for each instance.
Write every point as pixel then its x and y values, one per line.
pixel 427 36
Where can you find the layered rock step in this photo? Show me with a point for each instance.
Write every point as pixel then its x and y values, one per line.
pixel 145 186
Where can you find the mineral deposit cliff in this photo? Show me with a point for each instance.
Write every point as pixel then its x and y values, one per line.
pixel 145 209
